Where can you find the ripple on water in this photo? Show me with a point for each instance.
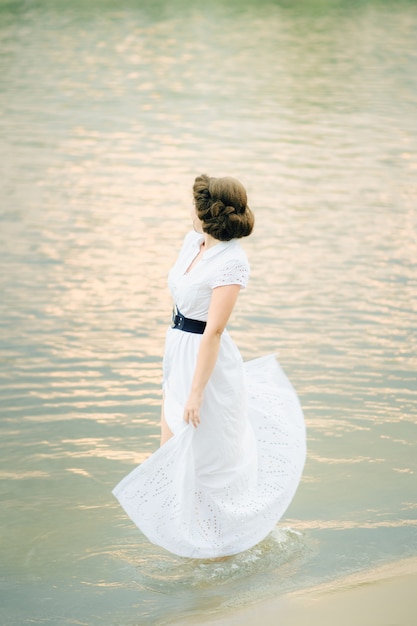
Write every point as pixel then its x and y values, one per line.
pixel 234 581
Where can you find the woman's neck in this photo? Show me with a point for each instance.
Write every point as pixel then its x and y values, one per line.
pixel 209 241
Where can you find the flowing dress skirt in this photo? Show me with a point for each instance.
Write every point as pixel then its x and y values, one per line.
pixel 219 489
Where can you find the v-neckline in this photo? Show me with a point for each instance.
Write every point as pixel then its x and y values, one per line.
pixel 207 253
pixel 191 265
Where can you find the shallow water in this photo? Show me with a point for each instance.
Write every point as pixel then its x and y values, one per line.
pixel 108 112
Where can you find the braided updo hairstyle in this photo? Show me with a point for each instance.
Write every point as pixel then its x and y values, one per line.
pixel 221 205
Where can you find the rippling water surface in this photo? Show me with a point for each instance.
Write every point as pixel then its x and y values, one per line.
pixel 109 111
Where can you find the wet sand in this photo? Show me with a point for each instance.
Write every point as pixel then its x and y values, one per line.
pixel 386 596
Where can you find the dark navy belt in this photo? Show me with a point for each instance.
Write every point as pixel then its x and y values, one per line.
pixel 186 324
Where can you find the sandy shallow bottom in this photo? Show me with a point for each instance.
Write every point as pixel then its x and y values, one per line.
pixel 386 596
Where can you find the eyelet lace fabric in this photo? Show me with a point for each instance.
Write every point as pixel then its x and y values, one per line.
pixel 221 488
pixel 233 273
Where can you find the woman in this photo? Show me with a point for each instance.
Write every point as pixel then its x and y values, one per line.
pixel 232 434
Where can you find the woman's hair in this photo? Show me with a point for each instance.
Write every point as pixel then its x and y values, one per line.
pixel 222 206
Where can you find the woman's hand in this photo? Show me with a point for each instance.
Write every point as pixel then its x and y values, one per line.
pixel 192 409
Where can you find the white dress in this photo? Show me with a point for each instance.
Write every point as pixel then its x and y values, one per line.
pixel 218 489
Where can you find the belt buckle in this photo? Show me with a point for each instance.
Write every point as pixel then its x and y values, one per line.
pixel 177 320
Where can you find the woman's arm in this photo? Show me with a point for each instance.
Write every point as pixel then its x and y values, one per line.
pixel 223 299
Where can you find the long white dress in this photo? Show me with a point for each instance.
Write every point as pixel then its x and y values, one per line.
pixel 218 489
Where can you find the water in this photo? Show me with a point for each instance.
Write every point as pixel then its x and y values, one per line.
pixel 109 111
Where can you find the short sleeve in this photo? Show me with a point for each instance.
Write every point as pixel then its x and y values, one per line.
pixel 232 273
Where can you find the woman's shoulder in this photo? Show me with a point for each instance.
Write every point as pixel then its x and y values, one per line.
pixel 191 239
pixel 232 256
pixel 235 251
pixel 232 267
